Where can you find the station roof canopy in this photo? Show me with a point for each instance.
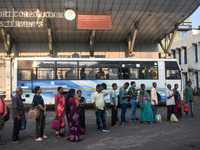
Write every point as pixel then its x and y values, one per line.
pixel 156 18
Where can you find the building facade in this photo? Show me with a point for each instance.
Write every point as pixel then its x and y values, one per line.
pixel 187 52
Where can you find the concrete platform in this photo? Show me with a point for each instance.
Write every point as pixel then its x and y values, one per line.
pixel 183 135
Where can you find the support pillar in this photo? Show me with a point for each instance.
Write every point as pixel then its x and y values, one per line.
pixel 8 77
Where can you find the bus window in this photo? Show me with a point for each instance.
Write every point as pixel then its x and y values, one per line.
pixel 172 70
pixel 130 70
pixel 149 70
pixel 67 73
pixel 89 70
pixel 110 73
pixel 44 73
pixel 24 75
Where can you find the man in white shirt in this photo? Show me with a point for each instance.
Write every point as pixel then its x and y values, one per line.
pixel 170 102
pixel 99 105
pixel 154 99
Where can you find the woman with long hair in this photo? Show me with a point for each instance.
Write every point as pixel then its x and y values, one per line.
pixel 60 112
pixel 41 120
pixel 73 118
pixel 146 110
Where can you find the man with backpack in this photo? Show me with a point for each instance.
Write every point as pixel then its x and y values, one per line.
pixel 3 113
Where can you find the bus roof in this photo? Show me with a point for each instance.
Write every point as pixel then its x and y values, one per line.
pixel 92 59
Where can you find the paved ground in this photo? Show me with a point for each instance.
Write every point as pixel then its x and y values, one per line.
pixel 184 135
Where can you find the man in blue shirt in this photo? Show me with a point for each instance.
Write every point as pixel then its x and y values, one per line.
pixel 114 104
pixel 123 101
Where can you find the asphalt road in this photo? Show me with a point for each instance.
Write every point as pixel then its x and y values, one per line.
pixel 184 135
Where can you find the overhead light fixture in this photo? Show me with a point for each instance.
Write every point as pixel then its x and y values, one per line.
pixel 70 14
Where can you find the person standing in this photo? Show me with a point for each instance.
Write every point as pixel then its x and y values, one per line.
pixel 189 98
pixel 100 108
pixel 41 120
pixel 170 102
pixel 146 110
pixel 154 99
pixel 123 101
pixel 3 113
pixel 114 104
pixel 177 107
pixel 60 112
pixel 133 96
pixel 18 114
pixel 73 118
pixel 81 103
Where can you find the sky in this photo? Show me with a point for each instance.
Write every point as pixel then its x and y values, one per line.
pixel 195 18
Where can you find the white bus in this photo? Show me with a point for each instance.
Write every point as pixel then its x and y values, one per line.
pixel 85 73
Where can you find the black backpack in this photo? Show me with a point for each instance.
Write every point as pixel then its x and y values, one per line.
pixel 7 117
pixel 119 105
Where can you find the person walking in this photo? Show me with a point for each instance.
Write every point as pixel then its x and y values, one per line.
pixel 18 114
pixel 81 103
pixel 123 101
pixel 100 108
pixel 133 96
pixel 60 112
pixel 189 98
pixel 75 133
pixel 170 101
pixel 41 120
pixel 177 107
pixel 154 99
pixel 114 104
pixel 3 113
pixel 146 110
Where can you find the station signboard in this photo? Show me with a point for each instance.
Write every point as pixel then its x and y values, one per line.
pixel 185 26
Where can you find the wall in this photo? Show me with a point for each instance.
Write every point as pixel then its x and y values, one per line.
pixel 193 36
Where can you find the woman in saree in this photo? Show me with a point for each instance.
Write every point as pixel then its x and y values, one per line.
pixel 60 112
pixel 74 118
pixel 82 102
pixel 146 110
pixel 177 107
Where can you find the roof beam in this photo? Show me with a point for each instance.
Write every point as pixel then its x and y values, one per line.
pixel 50 38
pixel 7 41
pixel 91 46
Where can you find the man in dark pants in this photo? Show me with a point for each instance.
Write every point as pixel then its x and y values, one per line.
pixel 100 108
pixel 114 104
pixel 18 114
pixel 170 102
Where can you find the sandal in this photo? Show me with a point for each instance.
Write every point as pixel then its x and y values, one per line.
pixel 58 136
pixel 1 143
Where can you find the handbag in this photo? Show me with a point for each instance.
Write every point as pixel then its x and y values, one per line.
pixel 23 124
pixel 186 108
pixel 173 118
pixel 158 118
pixel 33 112
pixel 56 122
pixel 7 117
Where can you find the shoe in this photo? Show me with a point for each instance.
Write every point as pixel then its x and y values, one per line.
pixel 39 139
pixel 123 123
pixel 99 130
pixel 137 119
pixel 132 120
pixel 44 137
pixel 187 117
pixel 126 122
pixel 17 142
pixel 194 116
pixel 106 130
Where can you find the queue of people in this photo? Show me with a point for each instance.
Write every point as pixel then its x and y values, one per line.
pixel 72 106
